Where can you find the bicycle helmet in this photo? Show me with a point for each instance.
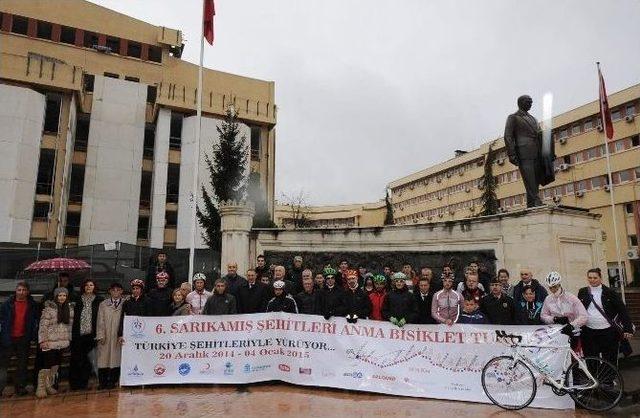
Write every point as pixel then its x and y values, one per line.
pixel 553 278
pixel 199 276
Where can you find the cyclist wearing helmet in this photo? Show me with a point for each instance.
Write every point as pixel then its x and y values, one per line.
pixel 197 298
pixel 563 308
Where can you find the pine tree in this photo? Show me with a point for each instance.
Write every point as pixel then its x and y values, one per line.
pixel 388 219
pixel 490 202
pixel 227 177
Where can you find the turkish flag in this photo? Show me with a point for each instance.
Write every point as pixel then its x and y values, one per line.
pixel 208 13
pixel 605 112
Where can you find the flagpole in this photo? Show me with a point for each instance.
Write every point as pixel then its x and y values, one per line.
pixel 611 192
pixel 196 156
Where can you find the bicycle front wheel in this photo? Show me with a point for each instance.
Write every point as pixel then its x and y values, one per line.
pixel 608 391
pixel 507 383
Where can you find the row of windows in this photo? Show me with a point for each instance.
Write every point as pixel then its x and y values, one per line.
pixel 74 36
pixel 592 122
pixel 439 194
pixel 455 171
pixel 440 212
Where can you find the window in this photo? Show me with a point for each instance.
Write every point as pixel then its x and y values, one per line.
pixel 175 132
pixel 625 175
pixel 173 183
pixel 20 25
pixel 567 159
pixel 588 124
pixel 616 114
pixel 46 166
pixel 87 82
pixel 596 183
pixel 619 146
pixel 134 49
pixel 67 35
pixel 635 140
pixel 575 129
pixel 152 92
pixel 170 219
pixel 631 110
pixel 628 208
pixel 45 30
pixel 633 240
pixel 90 39
pixel 637 170
pixel 113 44
pixel 547 193
pixel 52 113
pixel 145 189
pixel 111 75
pixel 76 186
pixel 591 153
pixel 41 212
pixel 72 229
pixel 558 191
pixel 143 227
pixel 569 188
pixel 83 122
pixel 581 185
pixel 134 79
pixel 563 133
pixel 149 140
pixel 255 143
pixel 155 54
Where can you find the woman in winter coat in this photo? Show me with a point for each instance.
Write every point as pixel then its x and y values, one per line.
pixel 563 308
pixel 179 307
pixel 84 335
pixel 109 347
pixel 399 306
pixel 54 336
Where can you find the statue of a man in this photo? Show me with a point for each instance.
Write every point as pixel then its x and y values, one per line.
pixel 523 140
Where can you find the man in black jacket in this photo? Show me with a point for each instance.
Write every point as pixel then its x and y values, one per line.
pixel 137 305
pixel 161 296
pixel 527 280
pixel 18 328
pixel 498 307
pixel 423 297
pixel 221 302
pixel 308 300
pixel 600 335
pixel 332 295
pixel 233 279
pixel 253 295
pixel 356 301
pixel 295 274
pixel 399 306
pixel 281 301
pixel 161 263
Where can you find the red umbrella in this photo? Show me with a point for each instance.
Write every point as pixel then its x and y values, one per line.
pixel 58 264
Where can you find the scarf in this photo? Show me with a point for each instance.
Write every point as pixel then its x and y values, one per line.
pixel 87 314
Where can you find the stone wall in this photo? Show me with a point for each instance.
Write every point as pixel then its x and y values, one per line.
pixel 547 238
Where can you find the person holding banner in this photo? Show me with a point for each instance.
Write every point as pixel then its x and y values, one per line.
pixel 107 332
pixel 497 306
pixel 399 307
pixel 445 307
pixel 357 303
pixel 308 300
pixel 160 297
pixel 423 300
pixel 221 302
pixel 281 302
pixel 332 295
pixel 199 295
pixel 378 296
pixel 471 313
pixel 136 305
pixel 253 295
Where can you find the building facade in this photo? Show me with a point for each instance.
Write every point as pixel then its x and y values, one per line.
pixel 97 111
pixel 452 190
pixel 338 216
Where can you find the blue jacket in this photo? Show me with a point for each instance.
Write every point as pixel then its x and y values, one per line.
pixel 475 317
pixel 6 320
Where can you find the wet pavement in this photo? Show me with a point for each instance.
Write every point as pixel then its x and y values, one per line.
pixel 260 400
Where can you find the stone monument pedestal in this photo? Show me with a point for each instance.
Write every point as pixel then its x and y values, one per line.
pixel 236 219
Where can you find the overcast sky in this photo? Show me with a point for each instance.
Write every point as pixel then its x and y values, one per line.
pixel 369 91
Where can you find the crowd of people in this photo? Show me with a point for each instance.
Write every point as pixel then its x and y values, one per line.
pixel 86 323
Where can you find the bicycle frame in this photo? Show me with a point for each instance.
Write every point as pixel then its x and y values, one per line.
pixel 517 354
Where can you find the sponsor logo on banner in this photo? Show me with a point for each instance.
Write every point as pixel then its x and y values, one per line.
pixel 184 369
pixel 384 377
pixel 248 368
pixel 355 375
pixel 206 369
pixel 228 369
pixel 135 372
pixel 159 369
pixel 284 367
pixel 328 373
pixel 303 370
pixel 137 328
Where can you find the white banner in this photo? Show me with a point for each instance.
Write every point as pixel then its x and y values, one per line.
pixel 430 361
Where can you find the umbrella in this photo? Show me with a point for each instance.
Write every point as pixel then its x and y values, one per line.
pixel 58 264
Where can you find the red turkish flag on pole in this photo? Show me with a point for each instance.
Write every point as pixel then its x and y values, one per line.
pixel 605 112
pixel 209 12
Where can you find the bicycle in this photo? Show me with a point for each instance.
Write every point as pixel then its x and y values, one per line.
pixel 509 382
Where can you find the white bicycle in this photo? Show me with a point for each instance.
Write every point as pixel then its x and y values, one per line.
pixel 592 382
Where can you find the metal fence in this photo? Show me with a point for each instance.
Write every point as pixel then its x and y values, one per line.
pixel 109 262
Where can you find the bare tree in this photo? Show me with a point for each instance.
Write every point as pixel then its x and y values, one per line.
pixel 297 208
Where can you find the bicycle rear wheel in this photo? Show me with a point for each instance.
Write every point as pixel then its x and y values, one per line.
pixel 507 384
pixel 606 395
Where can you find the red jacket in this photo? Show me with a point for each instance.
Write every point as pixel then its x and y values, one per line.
pixel 377 299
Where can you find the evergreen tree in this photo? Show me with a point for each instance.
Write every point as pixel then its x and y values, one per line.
pixel 388 219
pixel 227 177
pixel 490 202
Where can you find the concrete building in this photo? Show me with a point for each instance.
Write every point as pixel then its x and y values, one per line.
pixel 97 117
pixel 451 190
pixel 337 216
